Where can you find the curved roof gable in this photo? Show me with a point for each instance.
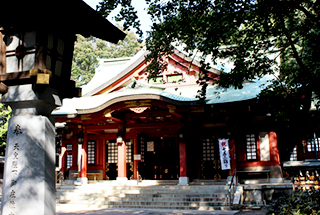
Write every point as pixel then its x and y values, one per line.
pixel 121 73
pixel 111 78
pixel 84 105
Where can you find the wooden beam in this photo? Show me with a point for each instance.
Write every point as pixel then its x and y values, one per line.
pixel 114 119
pixel 152 125
pixel 101 127
pixel 159 113
pixel 94 132
pixel 172 110
pixel 176 114
pixel 108 115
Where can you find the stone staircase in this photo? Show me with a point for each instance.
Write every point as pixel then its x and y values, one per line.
pixel 152 196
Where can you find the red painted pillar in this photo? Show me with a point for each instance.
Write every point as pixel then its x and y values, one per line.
pixel 104 158
pixel 75 152
pixel 122 160
pixel 233 157
pixel 63 157
pixel 183 179
pixel 274 152
pixel 135 162
pixel 84 165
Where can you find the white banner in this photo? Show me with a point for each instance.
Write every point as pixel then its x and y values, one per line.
pixel 224 153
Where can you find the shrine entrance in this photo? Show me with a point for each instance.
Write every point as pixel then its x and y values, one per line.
pixel 112 158
pixel 210 164
pixel 160 158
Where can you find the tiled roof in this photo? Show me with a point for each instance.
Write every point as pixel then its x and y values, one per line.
pixel 99 102
pixel 249 91
pixel 101 83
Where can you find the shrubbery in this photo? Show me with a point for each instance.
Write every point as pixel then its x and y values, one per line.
pixel 301 203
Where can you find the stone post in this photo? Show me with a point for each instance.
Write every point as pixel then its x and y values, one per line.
pixel 29 173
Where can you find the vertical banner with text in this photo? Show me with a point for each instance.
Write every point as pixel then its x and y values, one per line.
pixel 224 154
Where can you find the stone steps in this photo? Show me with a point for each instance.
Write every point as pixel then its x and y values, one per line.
pixel 202 208
pixel 193 197
pixel 182 199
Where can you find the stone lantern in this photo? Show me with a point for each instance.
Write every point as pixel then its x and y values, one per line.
pixel 36 48
pixel 32 56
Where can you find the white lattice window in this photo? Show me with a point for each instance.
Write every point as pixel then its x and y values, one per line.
pixel 174 78
pixel 69 160
pixel 142 148
pixel 69 147
pixel 251 147
pixel 129 150
pixel 112 151
pixel 91 150
pixel 311 145
pixel 294 154
pixel 156 80
pixel 207 149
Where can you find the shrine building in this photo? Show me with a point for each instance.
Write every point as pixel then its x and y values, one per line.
pixel 128 127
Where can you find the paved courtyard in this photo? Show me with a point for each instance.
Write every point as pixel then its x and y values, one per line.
pixel 79 210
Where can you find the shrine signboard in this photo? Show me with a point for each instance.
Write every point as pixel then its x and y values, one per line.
pixel 224 154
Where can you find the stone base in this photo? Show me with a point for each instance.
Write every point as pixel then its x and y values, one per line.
pixel 122 179
pixel 184 181
pixel 262 194
pixel 29 179
pixel 83 180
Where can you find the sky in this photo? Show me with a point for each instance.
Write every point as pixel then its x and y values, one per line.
pixel 140 6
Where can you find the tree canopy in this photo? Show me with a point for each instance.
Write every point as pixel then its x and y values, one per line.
pixel 88 50
pixel 5 114
pixel 246 32
pixel 253 34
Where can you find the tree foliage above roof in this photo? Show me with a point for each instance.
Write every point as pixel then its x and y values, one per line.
pixel 250 33
pixel 5 114
pixel 88 50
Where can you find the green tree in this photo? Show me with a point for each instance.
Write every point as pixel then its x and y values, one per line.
pixel 126 48
pixel 253 34
pixel 5 114
pixel 84 60
pixel 247 32
pixel 88 50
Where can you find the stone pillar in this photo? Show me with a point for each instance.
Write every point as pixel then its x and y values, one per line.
pixel 122 161
pixel 29 172
pixel 183 179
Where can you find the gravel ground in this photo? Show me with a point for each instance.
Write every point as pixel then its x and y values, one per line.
pixel 261 211
pixel 78 210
